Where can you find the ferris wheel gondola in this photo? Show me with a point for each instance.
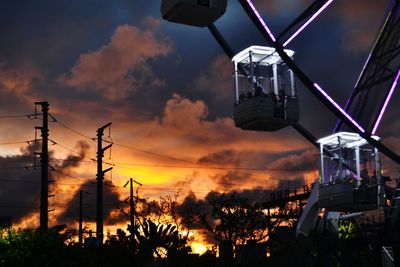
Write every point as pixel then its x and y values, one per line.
pixel 265 96
pixel 198 13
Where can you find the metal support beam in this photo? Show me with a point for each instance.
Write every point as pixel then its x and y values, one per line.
pixel 376 67
pixel 358 169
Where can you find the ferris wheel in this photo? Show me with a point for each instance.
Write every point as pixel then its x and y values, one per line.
pixel 366 105
pixel 265 99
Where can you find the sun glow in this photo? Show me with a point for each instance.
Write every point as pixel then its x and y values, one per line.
pixel 198 248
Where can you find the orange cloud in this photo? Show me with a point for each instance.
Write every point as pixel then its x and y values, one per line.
pixel 19 81
pixel 120 67
pixel 305 160
pixel 184 125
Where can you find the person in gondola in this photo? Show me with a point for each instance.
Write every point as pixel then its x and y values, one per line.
pixel 242 96
pixel 364 178
pixel 258 90
pixel 282 96
pixel 373 179
pixel 279 101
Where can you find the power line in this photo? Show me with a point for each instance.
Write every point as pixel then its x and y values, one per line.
pixel 18 116
pixel 73 151
pixel 15 167
pixel 19 181
pixel 149 152
pixel 69 175
pixel 17 142
pixel 19 206
pixel 38 182
pixel 31 205
pixel 71 129
pixel 74 160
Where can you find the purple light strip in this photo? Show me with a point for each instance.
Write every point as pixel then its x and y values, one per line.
pixel 378 121
pixel 338 107
pixel 261 20
pixel 308 22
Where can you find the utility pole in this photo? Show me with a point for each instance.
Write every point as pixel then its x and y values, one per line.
pixel 100 178
pixel 80 231
pixel 44 159
pixel 132 208
pixel 80 218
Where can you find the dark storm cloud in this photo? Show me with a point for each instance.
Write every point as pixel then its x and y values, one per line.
pixel 19 191
pixel 253 195
pixel 190 209
pixel 224 157
pixel 110 192
pixel 287 164
pixel 231 179
pixel 262 159
pixel 266 169
pixel 20 181
pixel 112 205
pixel 73 160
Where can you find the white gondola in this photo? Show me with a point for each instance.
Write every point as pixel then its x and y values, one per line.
pixel 264 89
pixel 198 13
pixel 351 179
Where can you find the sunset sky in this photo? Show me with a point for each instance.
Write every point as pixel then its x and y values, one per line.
pixel 167 89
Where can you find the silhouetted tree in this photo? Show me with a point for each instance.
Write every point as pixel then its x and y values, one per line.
pixel 236 220
pixel 34 247
pixel 155 241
